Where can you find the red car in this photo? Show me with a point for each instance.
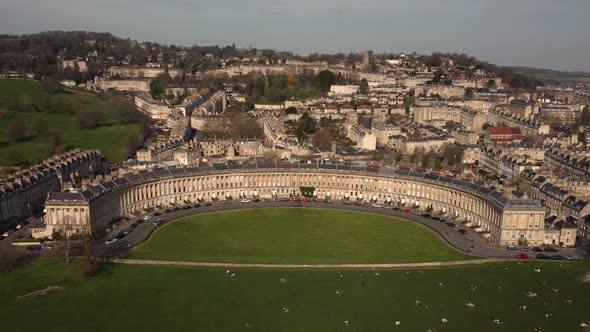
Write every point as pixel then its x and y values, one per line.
pixel 296 200
pixel 306 200
pixel 522 256
pixel 407 211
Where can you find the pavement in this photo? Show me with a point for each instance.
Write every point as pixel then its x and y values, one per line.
pixel 471 243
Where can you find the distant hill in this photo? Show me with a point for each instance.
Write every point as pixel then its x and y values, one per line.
pixel 553 75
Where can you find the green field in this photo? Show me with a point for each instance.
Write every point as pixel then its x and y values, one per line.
pixel 109 138
pixel 137 298
pixel 298 236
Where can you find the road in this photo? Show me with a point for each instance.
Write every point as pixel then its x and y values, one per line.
pixel 471 243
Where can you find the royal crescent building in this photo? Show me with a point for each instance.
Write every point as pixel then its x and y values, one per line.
pixel 501 220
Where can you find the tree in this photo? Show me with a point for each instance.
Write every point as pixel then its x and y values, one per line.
pixel 133 143
pixel 364 86
pixel 491 84
pixel 65 235
pixel 306 123
pixel 291 110
pixel 325 79
pixel 159 84
pixel 323 138
pixel 39 126
pixel 53 140
pixel 468 93
pixel 242 125
pixel 87 119
pixel 92 239
pixel 16 131
pixel 452 154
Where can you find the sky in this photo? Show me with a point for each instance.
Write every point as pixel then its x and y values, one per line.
pixel 552 34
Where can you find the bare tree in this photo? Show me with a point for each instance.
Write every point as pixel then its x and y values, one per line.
pixel 91 240
pixel 65 235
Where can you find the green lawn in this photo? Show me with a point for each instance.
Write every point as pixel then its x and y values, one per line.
pixel 137 298
pixel 303 236
pixel 110 138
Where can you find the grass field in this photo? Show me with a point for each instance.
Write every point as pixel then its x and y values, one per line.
pixel 136 298
pixel 299 236
pixel 109 138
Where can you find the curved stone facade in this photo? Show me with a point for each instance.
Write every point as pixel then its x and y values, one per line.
pixel 503 220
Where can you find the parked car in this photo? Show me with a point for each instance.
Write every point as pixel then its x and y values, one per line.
pixel 558 258
pixel 297 204
pixel 524 249
pixel 256 200
pixel 407 211
pixel 197 205
pixel 425 215
pixel 7 233
pixel 176 209
pixel 512 248
pixel 296 200
pixel 522 256
pixel 377 205
pixel 550 249
pixel 147 217
pixel 397 209
pixel 316 200
pixel 328 201
pixel 157 222
pixel 436 218
pixel 451 224
pixel 107 242
pixel 346 202
pixel 246 200
pixel 33 248
pixel 462 231
pixel 537 249
pixel 306 200
pixel 543 256
pixel 226 202
pixel 21 225
pixel 167 211
pixel 186 207
pixel 572 258
pixel 208 204
pixel 157 214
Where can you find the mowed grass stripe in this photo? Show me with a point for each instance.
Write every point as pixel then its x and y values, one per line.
pixel 295 236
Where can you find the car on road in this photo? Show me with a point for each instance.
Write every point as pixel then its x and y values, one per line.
pixel 157 222
pixel 306 200
pixel 537 249
pixel 157 214
pixel 550 249
pixel 558 258
pixel 462 231
pixel 451 224
pixel 33 248
pixel 407 211
pixel 297 204
pixel 7 233
pixel 120 236
pixel 107 242
pixel 147 217
pixel 522 256
pixel 21 225
pixel 377 205
pixel 543 256
pixel 246 200
pixel 512 248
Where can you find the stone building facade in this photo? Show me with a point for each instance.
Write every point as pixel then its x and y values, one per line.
pixel 504 220
pixel 24 193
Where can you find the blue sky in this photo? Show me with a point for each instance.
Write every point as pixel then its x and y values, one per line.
pixel 541 33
